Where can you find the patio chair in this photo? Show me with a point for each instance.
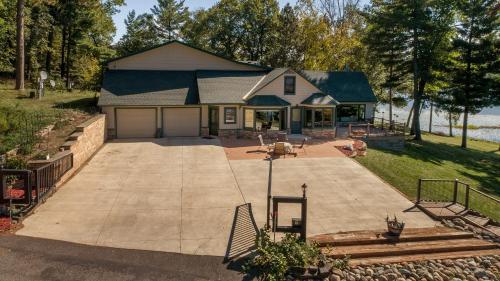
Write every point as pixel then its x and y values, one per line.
pixel 262 144
pixel 301 146
pixel 279 149
pixel 282 137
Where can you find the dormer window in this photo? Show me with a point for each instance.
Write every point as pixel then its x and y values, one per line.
pixel 289 85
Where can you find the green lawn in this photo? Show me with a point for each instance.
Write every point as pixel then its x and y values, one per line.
pixel 438 157
pixel 22 117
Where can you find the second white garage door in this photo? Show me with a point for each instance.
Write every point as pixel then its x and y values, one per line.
pixel 181 122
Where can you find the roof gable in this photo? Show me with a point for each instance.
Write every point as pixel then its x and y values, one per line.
pixel 178 56
pixel 226 86
pixel 343 86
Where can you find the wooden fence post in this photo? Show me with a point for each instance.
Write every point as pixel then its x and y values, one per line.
pixel 419 190
pixel 455 191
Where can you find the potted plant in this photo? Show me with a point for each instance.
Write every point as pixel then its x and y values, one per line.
pixel 394 227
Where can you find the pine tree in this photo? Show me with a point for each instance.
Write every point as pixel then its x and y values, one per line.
pixel 140 34
pixel 170 16
pixel 385 42
pixel 474 58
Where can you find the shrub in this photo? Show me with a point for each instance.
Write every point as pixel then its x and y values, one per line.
pixel 273 259
pixel 16 163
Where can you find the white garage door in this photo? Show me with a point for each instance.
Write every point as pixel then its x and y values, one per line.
pixel 135 122
pixel 181 122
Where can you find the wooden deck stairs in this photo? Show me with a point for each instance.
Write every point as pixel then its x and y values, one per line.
pixel 450 210
pixel 369 247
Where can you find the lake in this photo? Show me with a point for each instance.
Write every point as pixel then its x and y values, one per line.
pixel 487 117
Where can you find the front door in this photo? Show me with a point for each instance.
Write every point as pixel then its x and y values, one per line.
pixel 296 121
pixel 214 121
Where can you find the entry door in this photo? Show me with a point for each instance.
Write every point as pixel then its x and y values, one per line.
pixel 214 121
pixel 296 121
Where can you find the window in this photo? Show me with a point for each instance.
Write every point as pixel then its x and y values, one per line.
pixel 351 113
pixel 249 114
pixel 265 120
pixel 289 85
pixel 318 118
pixel 229 115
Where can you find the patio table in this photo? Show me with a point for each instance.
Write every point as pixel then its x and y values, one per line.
pixel 288 146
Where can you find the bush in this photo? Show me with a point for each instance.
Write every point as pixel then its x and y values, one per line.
pixel 273 259
pixel 16 163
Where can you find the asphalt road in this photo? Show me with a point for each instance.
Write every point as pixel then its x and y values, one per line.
pixel 27 258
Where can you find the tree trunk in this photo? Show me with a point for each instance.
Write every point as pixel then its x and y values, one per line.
pixel 63 52
pixel 430 118
pixel 48 55
pixel 68 61
pixel 409 117
pixel 464 129
pixel 450 124
pixel 390 109
pixel 20 46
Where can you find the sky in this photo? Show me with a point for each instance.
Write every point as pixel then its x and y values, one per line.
pixel 143 6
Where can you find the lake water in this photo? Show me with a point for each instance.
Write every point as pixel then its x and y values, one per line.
pixel 487 117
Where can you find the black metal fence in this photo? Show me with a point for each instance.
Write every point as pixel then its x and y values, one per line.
pixel 393 127
pixel 458 192
pixel 24 189
pixel 48 175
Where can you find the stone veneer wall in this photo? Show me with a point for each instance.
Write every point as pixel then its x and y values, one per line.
pixel 388 142
pixel 319 133
pixel 84 142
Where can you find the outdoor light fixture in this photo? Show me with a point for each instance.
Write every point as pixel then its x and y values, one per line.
pixel 304 187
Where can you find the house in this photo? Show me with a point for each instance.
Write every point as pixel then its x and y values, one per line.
pixel 178 90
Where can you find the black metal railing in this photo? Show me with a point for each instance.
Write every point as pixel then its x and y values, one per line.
pixel 396 128
pixel 48 175
pixel 458 192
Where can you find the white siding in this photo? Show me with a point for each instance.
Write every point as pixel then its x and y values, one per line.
pixel 110 116
pixel 176 56
pixel 303 89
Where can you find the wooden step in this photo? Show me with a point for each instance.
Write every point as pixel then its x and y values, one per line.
pixel 476 220
pixel 420 257
pixel 380 237
pixel 410 248
pixel 493 228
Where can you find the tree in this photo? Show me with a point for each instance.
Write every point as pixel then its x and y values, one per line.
pixel 424 27
pixel 140 34
pixel 287 49
pixel 259 22
pixel 169 17
pixel 20 45
pixel 474 58
pixel 383 28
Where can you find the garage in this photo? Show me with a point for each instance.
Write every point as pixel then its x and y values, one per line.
pixel 135 122
pixel 181 122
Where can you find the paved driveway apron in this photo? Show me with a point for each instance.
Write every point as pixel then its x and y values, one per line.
pixel 175 195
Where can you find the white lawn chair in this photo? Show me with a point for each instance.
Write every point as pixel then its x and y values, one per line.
pixel 269 147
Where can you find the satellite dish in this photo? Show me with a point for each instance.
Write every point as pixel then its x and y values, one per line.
pixel 52 83
pixel 43 75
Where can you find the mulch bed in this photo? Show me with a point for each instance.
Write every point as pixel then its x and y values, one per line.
pixel 357 149
pixel 5 224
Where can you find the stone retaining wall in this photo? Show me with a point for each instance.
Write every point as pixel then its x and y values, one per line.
pixel 388 142
pixel 84 142
pixel 319 133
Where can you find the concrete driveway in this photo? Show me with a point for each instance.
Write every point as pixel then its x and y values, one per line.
pixel 179 195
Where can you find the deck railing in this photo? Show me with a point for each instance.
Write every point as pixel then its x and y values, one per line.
pixel 48 175
pixel 458 192
pixel 22 190
pixel 393 127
